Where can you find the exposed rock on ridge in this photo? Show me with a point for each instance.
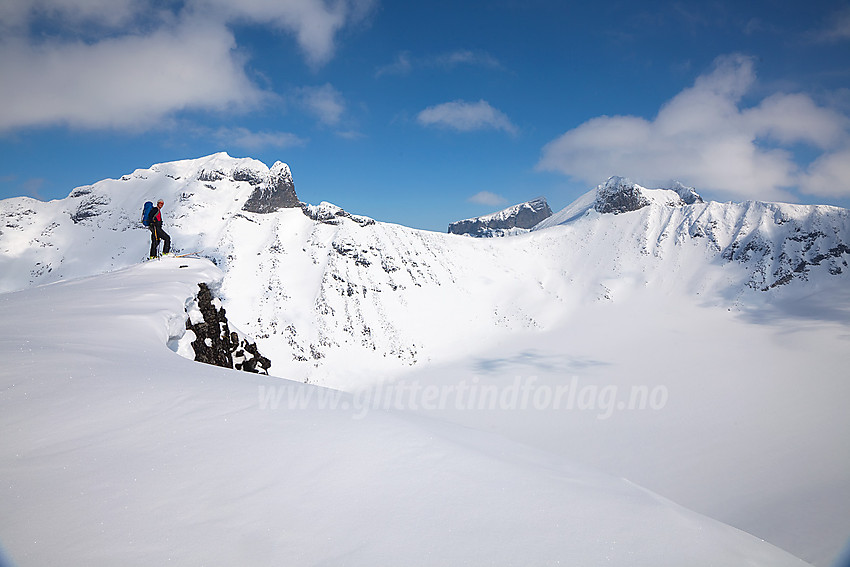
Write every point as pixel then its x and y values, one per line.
pixel 328 213
pixel 619 195
pixel 275 194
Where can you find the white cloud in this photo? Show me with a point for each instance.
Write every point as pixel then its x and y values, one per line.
pixel 315 23
pixel 123 82
pixel 829 175
pixel 131 64
pixel 791 118
pixel 466 117
pixel 704 137
pixel 325 103
pixel 244 138
pixel 487 198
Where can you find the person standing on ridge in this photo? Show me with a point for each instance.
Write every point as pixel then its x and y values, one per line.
pixel 157 234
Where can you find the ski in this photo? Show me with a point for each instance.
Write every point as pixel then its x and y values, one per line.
pixel 161 256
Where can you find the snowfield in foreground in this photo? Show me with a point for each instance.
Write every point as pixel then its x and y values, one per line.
pixel 697 349
pixel 117 451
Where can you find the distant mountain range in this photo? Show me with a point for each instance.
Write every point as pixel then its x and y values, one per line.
pixel 513 220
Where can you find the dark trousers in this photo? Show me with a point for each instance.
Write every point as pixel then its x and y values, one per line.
pixel 158 234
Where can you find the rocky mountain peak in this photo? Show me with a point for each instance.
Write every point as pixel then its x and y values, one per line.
pixel 277 192
pixel 619 195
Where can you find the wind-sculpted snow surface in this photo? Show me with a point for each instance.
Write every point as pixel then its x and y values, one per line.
pixel 115 451
pixel 729 320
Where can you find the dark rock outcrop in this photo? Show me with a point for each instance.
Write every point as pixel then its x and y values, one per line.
pixel 91 206
pixel 252 176
pixel 328 213
pixel 521 216
pixel 619 195
pixel 216 344
pixel 278 192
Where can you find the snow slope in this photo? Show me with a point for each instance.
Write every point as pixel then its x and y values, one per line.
pixel 117 451
pixel 739 311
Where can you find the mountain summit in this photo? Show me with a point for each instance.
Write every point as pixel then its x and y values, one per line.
pixel 620 195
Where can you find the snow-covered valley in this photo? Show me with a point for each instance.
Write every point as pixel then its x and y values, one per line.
pixel 495 390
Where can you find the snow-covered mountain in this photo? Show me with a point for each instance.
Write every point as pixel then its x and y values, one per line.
pixel 516 219
pixel 318 286
pixel 738 311
pixel 777 242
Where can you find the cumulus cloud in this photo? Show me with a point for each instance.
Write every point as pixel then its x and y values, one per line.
pixel 487 198
pixel 315 23
pixel 123 82
pixel 466 117
pixel 131 63
pixel 829 175
pixel 705 137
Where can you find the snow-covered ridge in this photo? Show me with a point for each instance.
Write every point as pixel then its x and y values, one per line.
pixel 317 285
pixel 779 242
pixel 620 195
pixel 516 219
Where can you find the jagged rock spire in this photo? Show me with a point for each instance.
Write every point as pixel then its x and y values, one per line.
pixel 277 193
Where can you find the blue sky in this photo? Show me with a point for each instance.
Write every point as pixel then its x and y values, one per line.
pixel 422 113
